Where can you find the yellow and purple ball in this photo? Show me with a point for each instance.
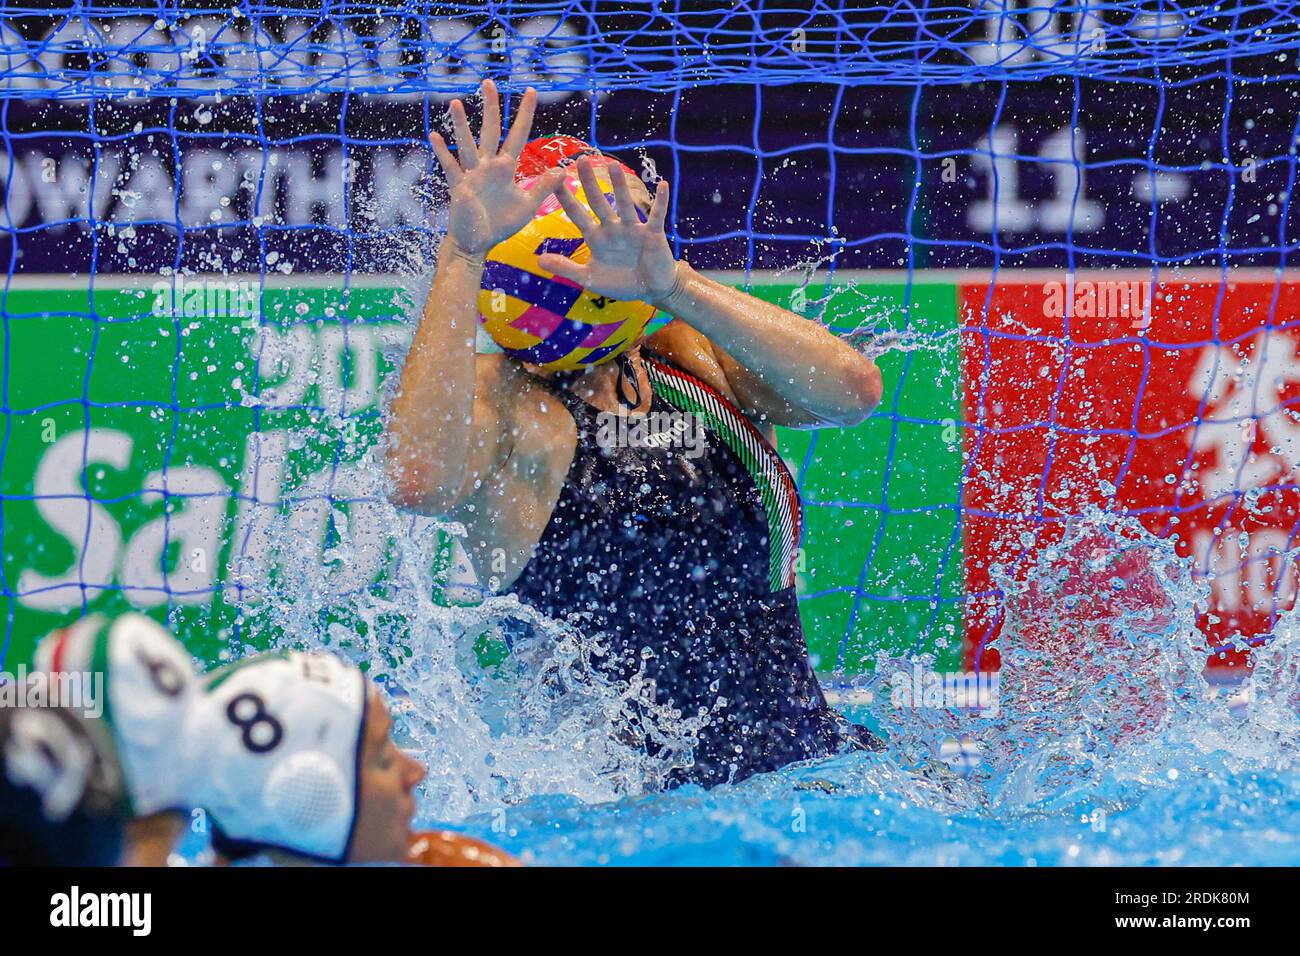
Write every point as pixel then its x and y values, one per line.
pixel 545 319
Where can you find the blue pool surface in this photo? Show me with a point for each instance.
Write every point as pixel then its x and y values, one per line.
pixel 1110 744
pixel 857 810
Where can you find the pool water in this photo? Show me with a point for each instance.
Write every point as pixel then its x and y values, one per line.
pixel 1108 742
pixel 861 809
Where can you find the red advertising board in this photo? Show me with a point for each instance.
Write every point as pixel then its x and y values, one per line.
pixel 1175 403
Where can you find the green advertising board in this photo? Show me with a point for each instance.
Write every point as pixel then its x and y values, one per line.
pixel 151 429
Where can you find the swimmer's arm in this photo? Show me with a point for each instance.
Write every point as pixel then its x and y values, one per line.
pixel 445 428
pixel 450 422
pixel 782 368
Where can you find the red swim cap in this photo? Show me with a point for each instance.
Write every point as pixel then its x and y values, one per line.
pixel 547 152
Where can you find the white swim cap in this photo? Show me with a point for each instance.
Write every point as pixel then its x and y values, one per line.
pixel 147 683
pixel 275 745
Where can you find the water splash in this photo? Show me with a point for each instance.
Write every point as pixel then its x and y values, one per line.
pixel 545 720
pixel 1102 707
pixel 1105 727
pixel 1106 743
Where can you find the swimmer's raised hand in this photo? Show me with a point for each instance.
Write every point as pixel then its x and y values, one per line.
pixel 487 205
pixel 630 259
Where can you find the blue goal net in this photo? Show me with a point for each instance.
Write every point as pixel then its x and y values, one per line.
pixel 1063 228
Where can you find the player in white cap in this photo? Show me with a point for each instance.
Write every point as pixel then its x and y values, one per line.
pixel 141 679
pixel 60 793
pixel 292 757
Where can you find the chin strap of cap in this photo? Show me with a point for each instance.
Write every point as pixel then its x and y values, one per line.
pixel 626 371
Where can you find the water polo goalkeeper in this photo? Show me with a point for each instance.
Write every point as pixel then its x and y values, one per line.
pixel 678 543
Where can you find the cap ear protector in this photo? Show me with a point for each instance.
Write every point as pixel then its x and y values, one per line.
pixel 142 679
pixel 276 742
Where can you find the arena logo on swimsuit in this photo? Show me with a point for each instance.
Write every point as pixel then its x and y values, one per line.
pixel 656 430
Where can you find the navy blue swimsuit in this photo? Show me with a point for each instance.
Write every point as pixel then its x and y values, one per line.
pixel 683 558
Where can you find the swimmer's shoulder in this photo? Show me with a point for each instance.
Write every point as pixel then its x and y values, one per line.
pixel 764 405
pixel 517 396
pixel 539 438
pixel 536 425
pixel 691 351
